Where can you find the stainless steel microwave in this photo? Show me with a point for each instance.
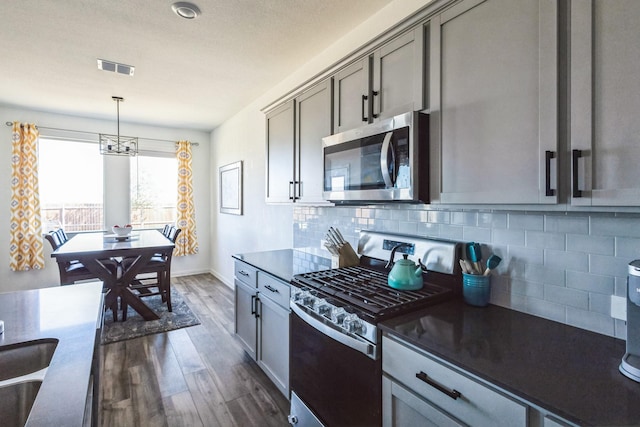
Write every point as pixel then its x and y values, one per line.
pixel 380 162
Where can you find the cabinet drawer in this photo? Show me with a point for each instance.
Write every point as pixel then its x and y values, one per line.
pixel 477 404
pixel 245 273
pixel 275 289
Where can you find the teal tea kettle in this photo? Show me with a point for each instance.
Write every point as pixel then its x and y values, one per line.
pixel 405 275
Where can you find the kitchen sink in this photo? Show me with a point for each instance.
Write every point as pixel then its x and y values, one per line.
pixel 16 401
pixel 25 358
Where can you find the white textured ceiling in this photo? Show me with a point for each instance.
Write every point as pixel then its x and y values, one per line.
pixel 189 73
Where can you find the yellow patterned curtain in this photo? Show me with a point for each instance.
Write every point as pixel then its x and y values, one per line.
pixel 25 245
pixel 187 243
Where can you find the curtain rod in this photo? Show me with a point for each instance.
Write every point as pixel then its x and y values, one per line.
pixel 195 144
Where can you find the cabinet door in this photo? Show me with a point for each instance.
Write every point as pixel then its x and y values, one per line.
pixel 400 407
pixel 273 355
pixel 605 132
pixel 398 75
pixel 494 102
pixel 280 140
pixel 313 124
pixel 351 96
pixel 245 320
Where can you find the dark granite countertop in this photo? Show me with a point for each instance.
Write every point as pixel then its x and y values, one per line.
pixel 568 371
pixel 69 314
pixel 285 263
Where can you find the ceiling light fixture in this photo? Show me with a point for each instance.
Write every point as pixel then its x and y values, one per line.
pixel 186 10
pixel 116 144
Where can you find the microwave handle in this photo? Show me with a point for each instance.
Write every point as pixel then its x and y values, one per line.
pixel 384 160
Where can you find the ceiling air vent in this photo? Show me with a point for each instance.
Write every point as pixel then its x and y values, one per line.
pixel 115 67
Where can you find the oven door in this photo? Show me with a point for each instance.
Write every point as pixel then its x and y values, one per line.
pixel 339 383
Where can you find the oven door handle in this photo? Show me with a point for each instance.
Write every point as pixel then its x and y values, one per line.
pixel 361 346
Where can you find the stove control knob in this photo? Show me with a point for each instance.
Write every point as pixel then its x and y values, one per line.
pixel 337 315
pixel 352 323
pixel 318 303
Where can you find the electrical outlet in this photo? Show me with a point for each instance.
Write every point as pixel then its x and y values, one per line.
pixel 618 307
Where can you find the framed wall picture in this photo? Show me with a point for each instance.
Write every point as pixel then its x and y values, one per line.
pixel 231 188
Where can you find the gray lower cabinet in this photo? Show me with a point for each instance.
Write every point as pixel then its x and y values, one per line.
pixel 494 102
pixel 262 321
pixel 387 82
pixel 419 388
pixel 605 130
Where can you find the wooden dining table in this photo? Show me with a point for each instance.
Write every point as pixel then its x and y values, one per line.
pixel 90 248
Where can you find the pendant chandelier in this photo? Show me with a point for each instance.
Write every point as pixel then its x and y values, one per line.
pixel 116 144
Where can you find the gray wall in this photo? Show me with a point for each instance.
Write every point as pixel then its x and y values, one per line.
pixel 560 266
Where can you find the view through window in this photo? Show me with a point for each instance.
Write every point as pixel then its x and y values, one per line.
pixel 154 191
pixel 71 185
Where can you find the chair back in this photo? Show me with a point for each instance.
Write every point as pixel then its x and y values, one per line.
pixel 172 233
pixel 56 238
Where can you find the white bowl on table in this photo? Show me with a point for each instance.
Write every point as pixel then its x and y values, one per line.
pixel 121 231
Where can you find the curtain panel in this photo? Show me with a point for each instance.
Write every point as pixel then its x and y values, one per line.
pixel 187 243
pixel 26 243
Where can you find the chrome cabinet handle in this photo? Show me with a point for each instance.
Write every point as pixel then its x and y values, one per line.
pixel 272 289
pixel 364 102
pixel 374 93
pixel 292 190
pixel 454 394
pixel 548 191
pixel 575 191
pixel 244 273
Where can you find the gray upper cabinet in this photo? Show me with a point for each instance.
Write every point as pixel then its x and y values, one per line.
pixel 387 82
pixel 605 132
pixel 313 121
pixel 280 155
pixel 494 102
pixel 294 146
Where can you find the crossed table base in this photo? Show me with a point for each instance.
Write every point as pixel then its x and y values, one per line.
pixel 90 248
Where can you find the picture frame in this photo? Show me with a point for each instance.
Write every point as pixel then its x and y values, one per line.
pixel 230 177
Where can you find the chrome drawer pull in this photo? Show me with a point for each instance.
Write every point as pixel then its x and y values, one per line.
pixel 271 288
pixel 454 394
pixel 244 273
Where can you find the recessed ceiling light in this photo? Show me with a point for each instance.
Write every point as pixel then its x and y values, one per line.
pixel 185 10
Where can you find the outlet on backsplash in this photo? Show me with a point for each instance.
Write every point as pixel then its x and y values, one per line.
pixel 618 307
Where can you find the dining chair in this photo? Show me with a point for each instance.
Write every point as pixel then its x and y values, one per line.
pixel 74 271
pixel 160 265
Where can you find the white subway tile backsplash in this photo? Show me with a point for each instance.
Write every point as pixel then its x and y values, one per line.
pixel 566 296
pixel 627 247
pixel 519 221
pixel 566 260
pixel 591 282
pixel 508 237
pixel 476 234
pixel 608 265
pixel 562 266
pixel 464 218
pixel 591 244
pixel 613 226
pixel 544 240
pixel 560 223
pixel 544 274
pixel 590 320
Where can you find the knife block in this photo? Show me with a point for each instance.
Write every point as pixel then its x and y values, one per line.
pixel 347 257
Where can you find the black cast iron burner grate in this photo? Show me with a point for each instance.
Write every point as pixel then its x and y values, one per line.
pixel 368 290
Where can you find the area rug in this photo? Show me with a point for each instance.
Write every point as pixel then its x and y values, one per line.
pixel 135 326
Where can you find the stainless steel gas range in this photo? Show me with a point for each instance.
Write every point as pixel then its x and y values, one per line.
pixel 335 343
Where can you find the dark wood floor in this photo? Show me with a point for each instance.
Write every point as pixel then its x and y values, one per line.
pixel 196 376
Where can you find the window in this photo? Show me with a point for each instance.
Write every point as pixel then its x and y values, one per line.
pixel 153 190
pixel 71 185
